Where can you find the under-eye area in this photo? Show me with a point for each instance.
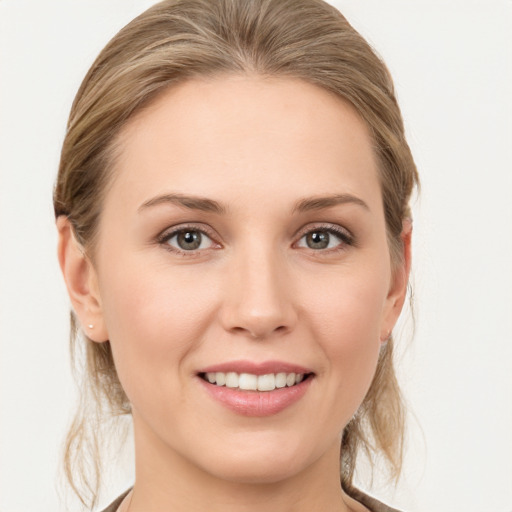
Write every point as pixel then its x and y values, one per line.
pixel 253 382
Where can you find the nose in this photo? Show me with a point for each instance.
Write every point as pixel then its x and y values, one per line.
pixel 258 296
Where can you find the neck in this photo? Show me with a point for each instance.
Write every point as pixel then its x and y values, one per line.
pixel 165 481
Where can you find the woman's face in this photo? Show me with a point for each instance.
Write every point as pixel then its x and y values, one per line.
pixel 244 234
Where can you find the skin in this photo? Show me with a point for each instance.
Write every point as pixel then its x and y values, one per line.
pixel 254 290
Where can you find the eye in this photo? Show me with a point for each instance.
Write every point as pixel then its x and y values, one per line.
pixel 187 240
pixel 325 239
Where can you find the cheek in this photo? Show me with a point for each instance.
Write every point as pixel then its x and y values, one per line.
pixel 347 310
pixel 154 318
pixel 346 321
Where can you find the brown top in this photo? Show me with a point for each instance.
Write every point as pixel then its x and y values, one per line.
pixel 115 504
pixel 370 503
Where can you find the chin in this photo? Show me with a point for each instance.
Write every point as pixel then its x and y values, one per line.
pixel 259 461
pixel 257 472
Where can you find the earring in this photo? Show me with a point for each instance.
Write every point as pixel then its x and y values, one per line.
pixel 386 338
pixel 91 326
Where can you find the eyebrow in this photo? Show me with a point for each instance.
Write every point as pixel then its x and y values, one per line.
pixel 209 205
pixel 319 203
pixel 190 202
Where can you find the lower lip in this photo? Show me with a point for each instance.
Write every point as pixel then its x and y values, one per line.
pixel 257 403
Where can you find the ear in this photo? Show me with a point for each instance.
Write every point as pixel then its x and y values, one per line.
pixel 81 282
pixel 398 288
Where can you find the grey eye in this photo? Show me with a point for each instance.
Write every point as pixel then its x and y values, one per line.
pixel 189 240
pixel 319 239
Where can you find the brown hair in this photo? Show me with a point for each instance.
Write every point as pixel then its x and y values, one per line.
pixel 180 39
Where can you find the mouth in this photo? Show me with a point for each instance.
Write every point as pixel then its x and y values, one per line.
pixel 253 382
pixel 256 389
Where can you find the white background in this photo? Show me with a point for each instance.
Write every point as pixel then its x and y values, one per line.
pixel 452 64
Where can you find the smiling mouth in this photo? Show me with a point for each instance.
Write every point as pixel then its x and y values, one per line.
pixel 252 382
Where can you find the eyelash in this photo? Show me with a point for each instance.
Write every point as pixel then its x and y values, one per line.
pixel 345 237
pixel 163 239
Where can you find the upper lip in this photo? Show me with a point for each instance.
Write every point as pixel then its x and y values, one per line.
pixel 255 368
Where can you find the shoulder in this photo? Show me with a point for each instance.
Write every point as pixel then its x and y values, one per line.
pixel 372 504
pixel 115 504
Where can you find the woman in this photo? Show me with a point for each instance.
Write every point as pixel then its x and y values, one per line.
pixel 234 233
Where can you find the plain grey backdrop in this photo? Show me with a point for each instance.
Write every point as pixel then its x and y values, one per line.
pixel 452 65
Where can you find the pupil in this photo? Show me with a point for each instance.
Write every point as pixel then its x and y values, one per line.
pixel 318 240
pixel 189 240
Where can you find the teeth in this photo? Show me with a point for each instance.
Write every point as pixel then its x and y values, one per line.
pixel 231 380
pixel 280 380
pixel 250 382
pixel 267 382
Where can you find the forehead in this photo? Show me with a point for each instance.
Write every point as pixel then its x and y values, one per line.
pixel 269 135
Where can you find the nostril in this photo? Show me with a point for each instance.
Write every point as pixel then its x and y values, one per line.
pixel 267 331
pixel 259 331
pixel 258 317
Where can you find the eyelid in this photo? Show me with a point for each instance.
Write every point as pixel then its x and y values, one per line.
pixel 172 231
pixel 345 236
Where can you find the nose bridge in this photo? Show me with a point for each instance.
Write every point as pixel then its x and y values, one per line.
pixel 258 300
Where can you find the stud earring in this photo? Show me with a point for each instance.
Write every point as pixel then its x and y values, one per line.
pixel 91 326
pixel 385 339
